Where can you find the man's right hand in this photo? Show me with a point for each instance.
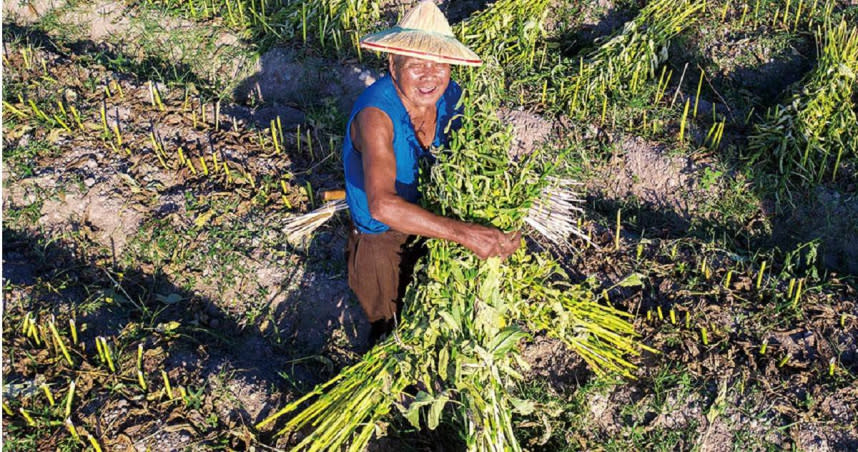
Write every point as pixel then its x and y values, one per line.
pixel 488 242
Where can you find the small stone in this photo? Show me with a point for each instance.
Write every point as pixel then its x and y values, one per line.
pixel 89 182
pixel 70 95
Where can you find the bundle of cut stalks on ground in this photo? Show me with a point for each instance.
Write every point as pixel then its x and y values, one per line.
pixel 508 30
pixel 620 64
pixel 628 59
pixel 809 139
pixel 336 24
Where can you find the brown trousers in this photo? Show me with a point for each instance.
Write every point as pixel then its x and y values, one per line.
pixel 380 267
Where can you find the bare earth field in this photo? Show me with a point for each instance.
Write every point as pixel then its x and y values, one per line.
pixel 151 160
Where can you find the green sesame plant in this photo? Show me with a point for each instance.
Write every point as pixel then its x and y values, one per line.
pixel 508 29
pixel 619 65
pixel 808 139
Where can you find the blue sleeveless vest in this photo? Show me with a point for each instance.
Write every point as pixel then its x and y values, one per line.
pixel 406 148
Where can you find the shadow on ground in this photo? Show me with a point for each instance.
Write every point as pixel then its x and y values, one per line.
pixel 238 374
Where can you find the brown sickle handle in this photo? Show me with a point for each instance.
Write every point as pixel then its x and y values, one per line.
pixel 333 195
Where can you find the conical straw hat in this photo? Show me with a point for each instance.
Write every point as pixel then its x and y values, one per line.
pixel 423 33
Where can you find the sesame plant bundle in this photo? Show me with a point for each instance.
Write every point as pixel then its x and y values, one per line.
pixel 621 63
pixel 808 139
pixel 336 24
pixel 508 29
pixel 629 58
pixel 240 15
pixel 464 318
pixel 333 24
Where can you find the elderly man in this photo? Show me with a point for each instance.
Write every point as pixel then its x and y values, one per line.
pixel 394 124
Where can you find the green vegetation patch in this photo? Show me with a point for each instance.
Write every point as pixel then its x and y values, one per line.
pixel 814 135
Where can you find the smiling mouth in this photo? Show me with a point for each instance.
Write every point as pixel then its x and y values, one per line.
pixel 425 91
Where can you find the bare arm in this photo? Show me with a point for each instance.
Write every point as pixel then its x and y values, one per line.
pixel 372 135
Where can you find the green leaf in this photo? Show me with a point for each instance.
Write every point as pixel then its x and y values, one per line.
pixel 491 279
pixel 633 280
pixel 450 320
pixel 507 369
pixel 412 413
pixel 443 362
pixel 522 406
pixel 435 411
pixel 505 340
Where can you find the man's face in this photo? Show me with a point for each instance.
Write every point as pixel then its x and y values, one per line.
pixel 420 82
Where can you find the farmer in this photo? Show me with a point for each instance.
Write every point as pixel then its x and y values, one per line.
pixel 395 123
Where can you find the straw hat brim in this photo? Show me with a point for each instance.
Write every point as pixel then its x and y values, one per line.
pixel 421 44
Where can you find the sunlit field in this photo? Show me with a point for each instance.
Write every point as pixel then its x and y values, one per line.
pixel 685 175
